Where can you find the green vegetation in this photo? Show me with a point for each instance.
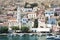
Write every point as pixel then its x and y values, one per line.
pixel 3 29
pixel 15 28
pixel 46 19
pixel 26 5
pixel 24 29
pixel 31 5
pixel 36 23
pixel 46 6
pixel 42 3
pixel 34 5
pixel 1 21
pixel 55 14
pixel 59 23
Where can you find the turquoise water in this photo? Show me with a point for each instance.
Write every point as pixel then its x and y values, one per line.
pixel 24 37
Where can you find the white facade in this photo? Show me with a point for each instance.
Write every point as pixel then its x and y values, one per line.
pixel 41 23
pixel 24 20
pixel 27 9
pixel 31 15
pixel 41 29
pixel 30 24
pixel 49 25
pixel 12 23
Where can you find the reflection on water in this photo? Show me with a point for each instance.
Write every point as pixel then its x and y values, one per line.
pixel 18 37
pixel 24 37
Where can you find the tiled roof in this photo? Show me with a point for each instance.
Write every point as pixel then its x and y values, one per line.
pixel 4 24
pixel 12 19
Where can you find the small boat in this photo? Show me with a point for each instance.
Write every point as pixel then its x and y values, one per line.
pixel 50 36
pixel 57 37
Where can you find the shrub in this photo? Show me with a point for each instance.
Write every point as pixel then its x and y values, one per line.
pixel 15 28
pixel 1 21
pixel 59 23
pixel 46 19
pixel 36 23
pixel 55 14
pixel 26 5
pixel 24 29
pixel 3 29
pixel 34 5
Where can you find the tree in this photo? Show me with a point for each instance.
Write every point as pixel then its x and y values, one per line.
pixel 34 5
pixel 3 29
pixel 26 5
pixel 55 14
pixel 36 23
pixel 15 28
pixel 46 19
pixel 59 23
pixel 46 6
pixel 24 29
pixel 42 3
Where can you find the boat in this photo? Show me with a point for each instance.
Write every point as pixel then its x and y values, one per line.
pixel 57 37
pixel 50 36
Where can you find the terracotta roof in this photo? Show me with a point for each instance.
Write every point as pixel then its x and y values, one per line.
pixel 12 19
pixel 4 24
pixel 29 13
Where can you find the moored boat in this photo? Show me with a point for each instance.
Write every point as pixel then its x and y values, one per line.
pixel 57 37
pixel 50 36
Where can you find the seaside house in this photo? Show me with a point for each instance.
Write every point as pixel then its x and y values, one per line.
pixel 24 20
pixel 27 10
pixel 52 20
pixel 41 22
pixel 12 22
pixel 31 15
pixel 57 10
pixel 49 13
pixel 30 24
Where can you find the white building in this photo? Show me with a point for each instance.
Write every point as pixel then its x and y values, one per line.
pixel 30 24
pixel 41 23
pixel 24 20
pixel 32 15
pixel 40 29
pixel 12 22
pixel 27 9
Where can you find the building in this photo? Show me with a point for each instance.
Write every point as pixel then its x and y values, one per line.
pixel 57 10
pixel 41 22
pixel 52 20
pixel 24 20
pixel 30 24
pixel 31 15
pixel 49 13
pixel 12 22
